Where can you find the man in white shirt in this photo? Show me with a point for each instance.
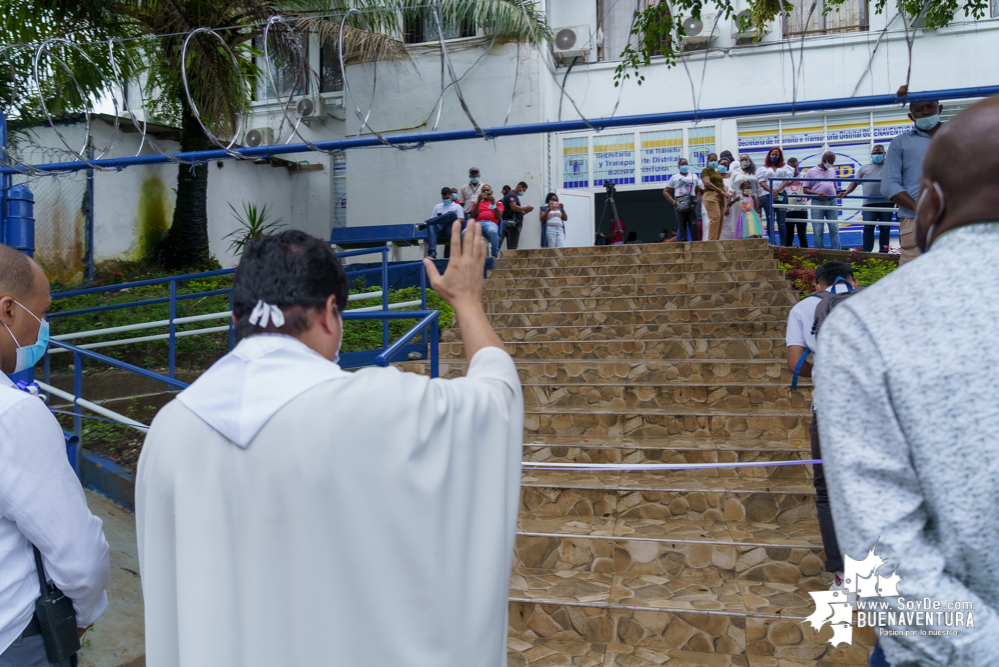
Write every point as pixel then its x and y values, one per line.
pixel 469 194
pixel 291 513
pixel 681 191
pixel 445 205
pixel 800 342
pixel 41 500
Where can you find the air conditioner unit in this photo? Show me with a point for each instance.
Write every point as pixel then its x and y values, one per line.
pixel 699 33
pixel 749 36
pixel 311 108
pixel 572 42
pixel 260 136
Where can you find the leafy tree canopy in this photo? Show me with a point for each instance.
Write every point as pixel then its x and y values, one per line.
pixel 659 32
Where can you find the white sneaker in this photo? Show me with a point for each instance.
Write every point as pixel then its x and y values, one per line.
pixel 837 584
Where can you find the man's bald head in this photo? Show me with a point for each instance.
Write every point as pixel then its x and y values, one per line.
pixel 17 279
pixel 970 138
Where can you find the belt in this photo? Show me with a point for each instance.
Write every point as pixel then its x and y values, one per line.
pixel 33 628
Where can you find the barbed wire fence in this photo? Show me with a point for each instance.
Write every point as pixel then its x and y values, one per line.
pixel 63 216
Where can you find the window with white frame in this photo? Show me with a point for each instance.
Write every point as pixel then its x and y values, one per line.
pixel 288 66
pixel 418 29
pixel 330 74
pixel 615 19
pixel 809 18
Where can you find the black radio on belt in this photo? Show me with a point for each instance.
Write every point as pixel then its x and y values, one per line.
pixel 56 618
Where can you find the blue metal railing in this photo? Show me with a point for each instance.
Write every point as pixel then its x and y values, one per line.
pixel 772 230
pixel 427 327
pixel 696 115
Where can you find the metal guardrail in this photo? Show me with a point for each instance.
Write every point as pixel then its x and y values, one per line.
pixel 772 230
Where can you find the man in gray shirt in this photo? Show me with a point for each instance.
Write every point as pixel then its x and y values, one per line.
pixel 873 199
pixel 909 407
pixel 903 166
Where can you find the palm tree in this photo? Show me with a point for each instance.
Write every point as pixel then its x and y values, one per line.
pixel 221 73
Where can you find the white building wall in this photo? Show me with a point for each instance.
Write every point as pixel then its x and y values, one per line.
pixel 387 186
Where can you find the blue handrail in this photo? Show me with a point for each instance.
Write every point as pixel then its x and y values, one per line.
pixel 427 320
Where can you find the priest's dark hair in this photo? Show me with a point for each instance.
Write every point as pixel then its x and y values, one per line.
pixel 291 270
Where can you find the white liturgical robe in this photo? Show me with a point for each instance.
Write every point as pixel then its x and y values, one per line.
pixel 290 514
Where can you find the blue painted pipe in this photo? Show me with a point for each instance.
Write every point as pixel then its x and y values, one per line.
pixel 538 128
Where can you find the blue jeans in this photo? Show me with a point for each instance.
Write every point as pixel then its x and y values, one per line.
pixel 832 215
pixel 435 231
pixel 884 231
pixel 780 215
pixel 878 658
pixel 491 229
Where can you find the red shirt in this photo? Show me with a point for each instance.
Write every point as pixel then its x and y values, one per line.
pixel 491 214
pixel 617 232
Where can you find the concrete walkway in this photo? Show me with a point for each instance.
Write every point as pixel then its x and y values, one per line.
pixel 117 639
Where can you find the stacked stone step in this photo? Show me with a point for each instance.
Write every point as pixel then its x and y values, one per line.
pixel 648 354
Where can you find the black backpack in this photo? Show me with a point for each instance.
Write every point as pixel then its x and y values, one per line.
pixel 829 300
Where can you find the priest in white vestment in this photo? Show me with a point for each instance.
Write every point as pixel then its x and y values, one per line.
pixel 290 513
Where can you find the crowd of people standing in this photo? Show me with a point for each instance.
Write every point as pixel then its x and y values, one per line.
pixel 501 218
pixel 729 199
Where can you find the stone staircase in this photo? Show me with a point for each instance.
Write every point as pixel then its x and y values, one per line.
pixel 644 354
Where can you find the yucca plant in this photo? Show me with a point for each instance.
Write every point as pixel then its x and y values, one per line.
pixel 253 223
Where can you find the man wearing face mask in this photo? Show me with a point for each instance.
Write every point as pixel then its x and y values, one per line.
pixel 288 511
pixel 873 199
pixel 469 193
pixel 41 500
pixel 445 205
pixel 681 191
pixel 909 405
pixel 826 192
pixel 903 167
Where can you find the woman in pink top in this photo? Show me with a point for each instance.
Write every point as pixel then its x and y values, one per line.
pixel 488 212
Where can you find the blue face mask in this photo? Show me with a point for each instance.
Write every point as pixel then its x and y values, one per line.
pixel 473 181
pixel 878 158
pixel 446 201
pixel 454 197
pixel 722 169
pixel 684 169
pixel 774 159
pixel 713 164
pixel 661 236
pixel 927 123
pixel 28 356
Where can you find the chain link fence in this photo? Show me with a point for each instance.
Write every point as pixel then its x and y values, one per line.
pixel 63 222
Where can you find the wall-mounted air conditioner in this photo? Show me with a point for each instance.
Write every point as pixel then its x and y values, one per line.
pixel 260 136
pixel 749 35
pixel 699 32
pixel 572 42
pixel 311 108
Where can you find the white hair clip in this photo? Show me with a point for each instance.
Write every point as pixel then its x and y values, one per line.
pixel 264 313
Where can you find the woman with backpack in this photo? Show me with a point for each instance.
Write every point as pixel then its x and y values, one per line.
pixel 681 191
